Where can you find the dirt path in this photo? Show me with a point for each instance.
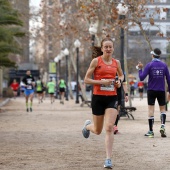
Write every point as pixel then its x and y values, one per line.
pixel 49 138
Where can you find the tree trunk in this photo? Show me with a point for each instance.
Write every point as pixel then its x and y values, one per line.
pixel 1 82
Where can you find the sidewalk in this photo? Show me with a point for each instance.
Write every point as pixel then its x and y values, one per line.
pixel 4 101
pixel 50 138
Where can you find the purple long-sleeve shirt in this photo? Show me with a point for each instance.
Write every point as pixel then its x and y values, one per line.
pixel 157 72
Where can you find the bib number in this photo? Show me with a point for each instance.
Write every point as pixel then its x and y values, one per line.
pixel 29 87
pixel 107 87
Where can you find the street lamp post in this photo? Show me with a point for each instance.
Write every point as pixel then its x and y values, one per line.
pixel 66 52
pixel 60 56
pixel 57 60
pixel 77 44
pixel 122 11
pixel 92 31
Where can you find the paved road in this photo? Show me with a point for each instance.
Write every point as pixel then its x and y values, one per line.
pixel 49 138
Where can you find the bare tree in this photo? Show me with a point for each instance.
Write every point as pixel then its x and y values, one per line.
pixel 63 22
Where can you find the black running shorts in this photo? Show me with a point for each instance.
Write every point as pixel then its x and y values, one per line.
pixel 61 89
pixel 101 103
pixel 140 90
pixel 153 95
pixel 39 92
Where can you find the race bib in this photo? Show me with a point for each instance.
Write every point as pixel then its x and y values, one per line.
pixel 29 83
pixel 107 87
pixel 29 87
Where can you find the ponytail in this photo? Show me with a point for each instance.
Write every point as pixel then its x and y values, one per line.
pixel 96 52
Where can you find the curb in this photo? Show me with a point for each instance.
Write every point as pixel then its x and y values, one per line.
pixel 4 102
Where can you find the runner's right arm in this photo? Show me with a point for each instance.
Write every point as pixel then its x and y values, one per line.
pixel 24 82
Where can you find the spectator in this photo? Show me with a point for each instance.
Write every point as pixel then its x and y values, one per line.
pixel 14 86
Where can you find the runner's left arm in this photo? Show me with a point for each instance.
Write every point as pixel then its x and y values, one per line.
pixel 24 81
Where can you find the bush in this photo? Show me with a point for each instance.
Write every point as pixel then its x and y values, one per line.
pixel 7 92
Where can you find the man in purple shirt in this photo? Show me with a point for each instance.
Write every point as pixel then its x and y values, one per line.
pixel 157 72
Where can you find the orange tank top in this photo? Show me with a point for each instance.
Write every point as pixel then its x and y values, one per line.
pixel 105 71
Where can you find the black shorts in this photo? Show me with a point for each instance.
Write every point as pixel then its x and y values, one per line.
pixel 44 89
pixel 153 95
pixel 140 90
pixel 101 103
pixel 51 93
pixel 62 89
pixel 39 92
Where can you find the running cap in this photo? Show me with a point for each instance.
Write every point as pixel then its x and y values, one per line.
pixel 156 52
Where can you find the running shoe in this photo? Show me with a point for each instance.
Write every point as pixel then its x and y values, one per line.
pixel 86 133
pixel 30 109
pixel 27 110
pixel 150 134
pixel 162 131
pixel 108 164
pixel 115 130
pixel 61 102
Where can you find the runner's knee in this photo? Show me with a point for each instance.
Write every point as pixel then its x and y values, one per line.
pixel 97 131
pixel 109 127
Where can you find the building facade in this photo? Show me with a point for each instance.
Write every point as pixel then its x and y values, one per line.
pixel 158 32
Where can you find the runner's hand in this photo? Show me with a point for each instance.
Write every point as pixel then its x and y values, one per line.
pixel 140 65
pixel 117 84
pixel 106 82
